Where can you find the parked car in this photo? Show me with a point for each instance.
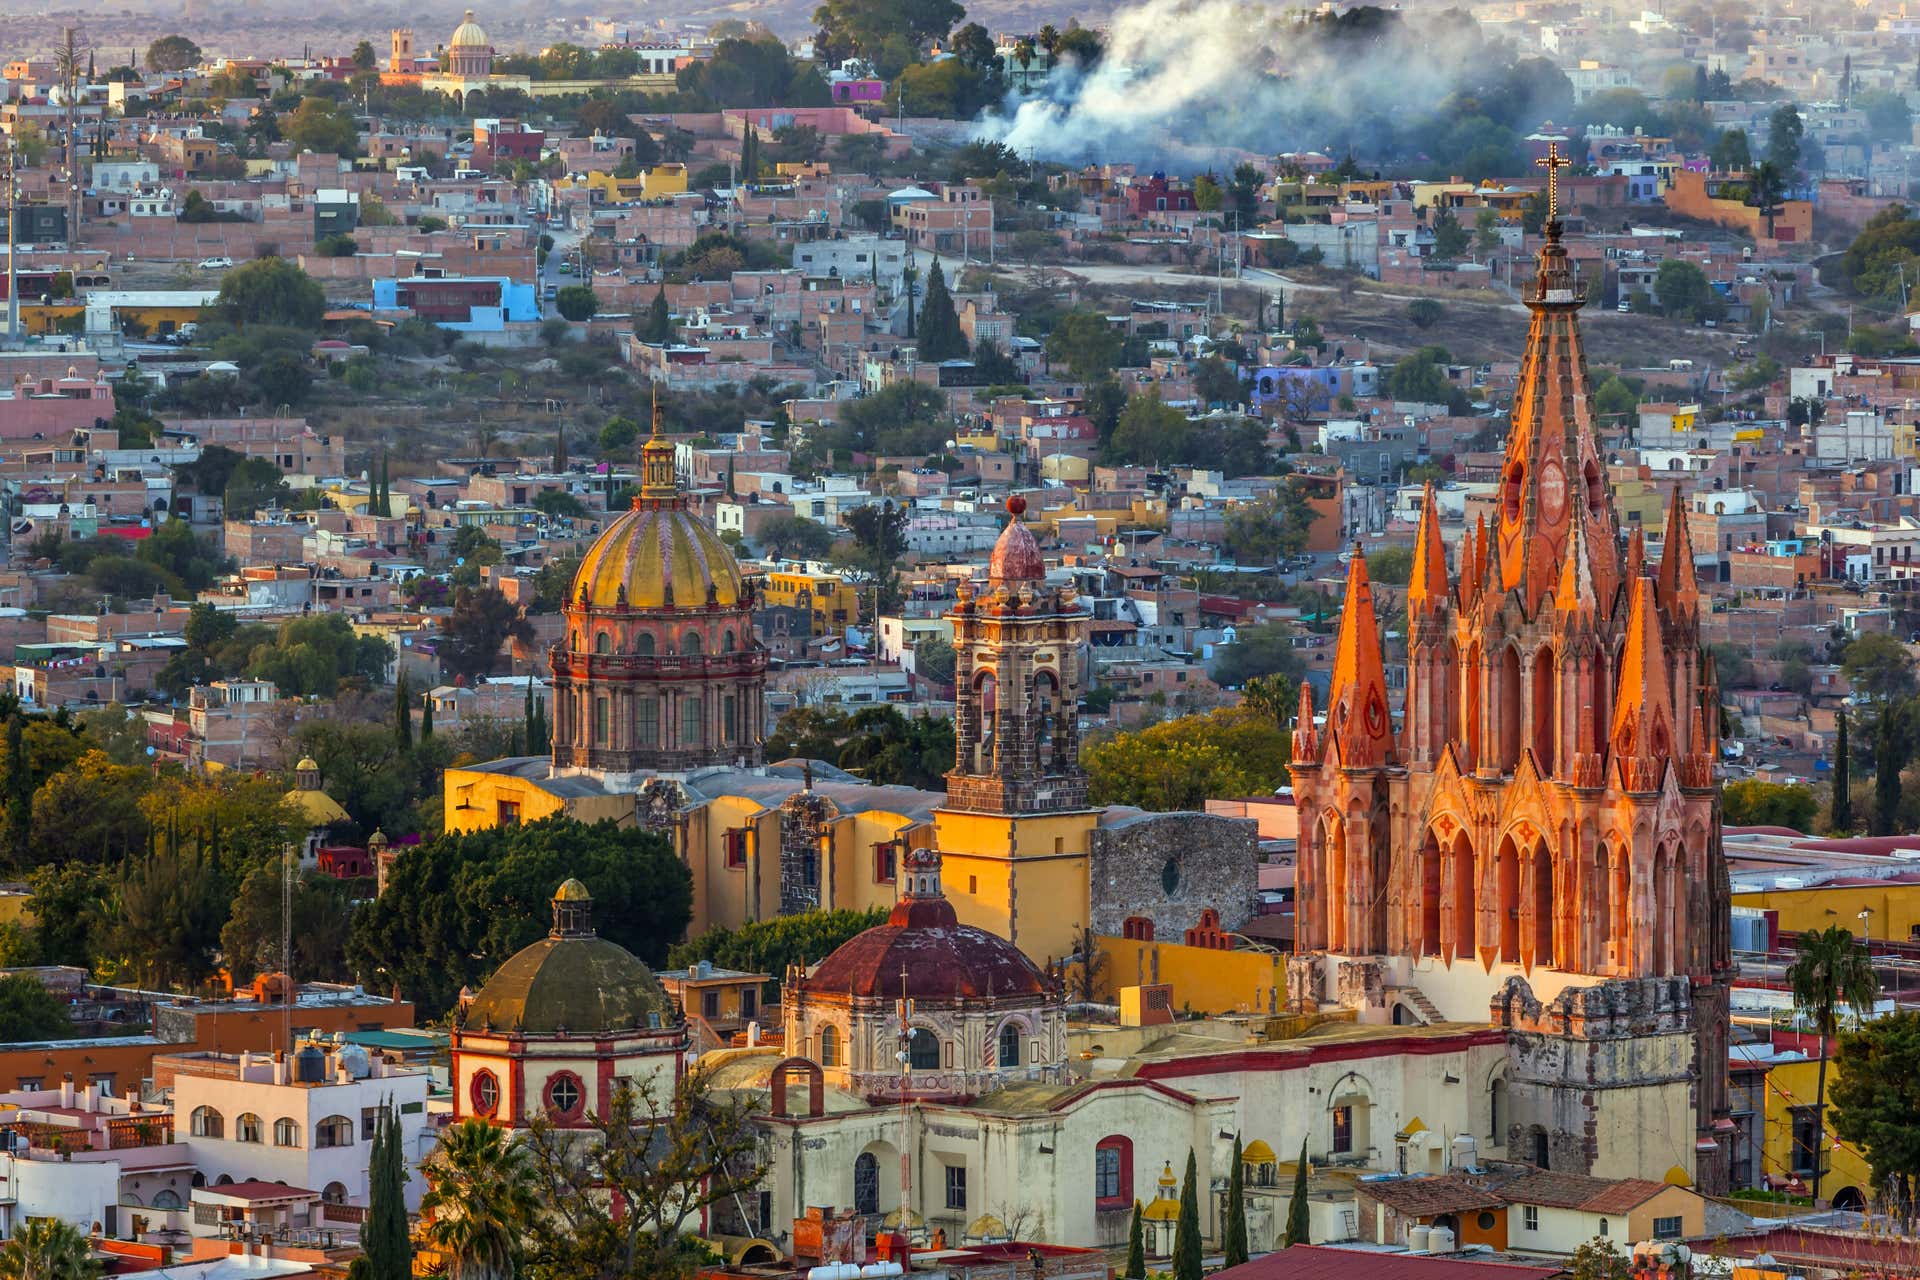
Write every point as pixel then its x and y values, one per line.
pixel 215 264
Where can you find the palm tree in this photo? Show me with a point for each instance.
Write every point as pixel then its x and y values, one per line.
pixel 1050 41
pixel 1023 54
pixel 479 1201
pixel 1830 968
pixel 48 1249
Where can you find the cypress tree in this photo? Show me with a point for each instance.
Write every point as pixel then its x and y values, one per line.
pixel 1298 1231
pixel 526 721
pixel 1889 757
pixel 1136 1248
pixel 426 720
pixel 403 715
pixel 940 336
pixel 560 450
pixel 1842 816
pixel 908 275
pixel 19 788
pixel 1236 1243
pixel 1186 1232
pixel 658 326
pixel 384 1238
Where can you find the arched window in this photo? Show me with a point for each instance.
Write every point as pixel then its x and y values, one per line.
pixel 1137 928
pixel 248 1128
pixel 334 1193
pixel 866 1184
pixel 166 1198
pixel 208 1123
pixel 727 641
pixel 1497 1112
pixel 643 645
pixel 565 1095
pixel 602 643
pixel 334 1131
pixel 1010 1045
pixel 690 644
pixel 1113 1173
pixel 829 1046
pixel 286 1132
pixel 923 1052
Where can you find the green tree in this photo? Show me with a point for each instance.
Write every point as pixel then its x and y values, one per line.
pixel 1876 1104
pixel 1829 968
pixel 172 53
pixel 1086 343
pixel 1766 190
pixel 1427 312
pixel 388 1246
pixel 1216 384
pixel 457 906
pixel 1597 1259
pixel 771 946
pixel 1136 1268
pixel 1732 153
pixel 90 812
pixel 1786 132
pixel 1421 377
pixel 559 503
pixel 49 1248
pixel 880 538
pixel 403 714
pixel 482 620
pixel 1391 565
pixel 322 126
pixel 1150 431
pixel 657 328
pixel 1880 666
pixel 1264 649
pixel 794 538
pixel 1299 1228
pixel 165 921
pixel 940 335
pixel 1840 817
pixel 1683 291
pixel 577 302
pixel 1235 1248
pixel 1754 802
pixel 1179 764
pixel 322 914
pixel 1450 239
pixel 480 1200
pixel 28 1011
pixel 270 291
pixel 364 57
pixel 1259 533
pixel 1186 1229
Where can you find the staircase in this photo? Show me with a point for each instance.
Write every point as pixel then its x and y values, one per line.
pixel 1416 999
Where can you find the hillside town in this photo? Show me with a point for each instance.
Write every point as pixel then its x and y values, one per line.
pixel 879 642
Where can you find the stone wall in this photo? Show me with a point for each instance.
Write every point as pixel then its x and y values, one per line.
pixel 1169 867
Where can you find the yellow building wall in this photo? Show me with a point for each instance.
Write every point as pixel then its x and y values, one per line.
pixel 1025 878
pixel 1896 908
pixel 1796 1084
pixel 471 802
pixel 831 594
pixel 665 180
pixel 1203 980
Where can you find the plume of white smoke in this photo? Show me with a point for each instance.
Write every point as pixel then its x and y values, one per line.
pixel 1184 84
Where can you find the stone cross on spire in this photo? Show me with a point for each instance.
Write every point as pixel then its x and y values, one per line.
pixel 1553 162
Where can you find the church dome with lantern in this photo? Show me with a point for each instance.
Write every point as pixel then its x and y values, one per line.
pixel 659 670
pixel 924 1006
pixel 532 1040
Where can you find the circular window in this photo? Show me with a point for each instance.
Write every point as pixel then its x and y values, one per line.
pixel 1486 1221
pixel 564 1094
pixel 485 1092
pixel 1170 876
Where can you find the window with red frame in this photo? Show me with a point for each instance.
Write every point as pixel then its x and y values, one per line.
pixel 736 848
pixel 565 1095
pixel 1137 928
pixel 484 1091
pixel 1113 1173
pixel 886 862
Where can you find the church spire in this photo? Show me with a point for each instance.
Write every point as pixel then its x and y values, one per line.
pixel 1427 588
pixel 658 483
pixel 1679 587
pixel 1358 724
pixel 1306 743
pixel 1642 734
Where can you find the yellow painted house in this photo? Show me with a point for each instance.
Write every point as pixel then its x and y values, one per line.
pixel 833 601
pixel 1792 1092
pixel 1895 906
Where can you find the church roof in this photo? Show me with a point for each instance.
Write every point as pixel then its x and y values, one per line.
pixel 469 35
pixel 1359 725
pixel 1016 556
pixel 656 558
pixel 316 808
pixel 572 981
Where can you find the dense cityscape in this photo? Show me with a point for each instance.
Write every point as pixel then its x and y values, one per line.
pixel 1019 645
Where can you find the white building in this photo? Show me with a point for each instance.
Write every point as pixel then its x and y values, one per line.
pixel 1858 435
pixel 304 1119
pixel 85 1156
pixel 855 258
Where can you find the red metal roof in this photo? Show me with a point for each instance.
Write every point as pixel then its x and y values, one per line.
pixel 924 949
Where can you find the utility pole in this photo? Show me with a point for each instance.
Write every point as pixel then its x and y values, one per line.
pixel 69 59
pixel 13 274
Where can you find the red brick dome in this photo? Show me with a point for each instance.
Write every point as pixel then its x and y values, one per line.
pixel 1016 556
pixel 943 959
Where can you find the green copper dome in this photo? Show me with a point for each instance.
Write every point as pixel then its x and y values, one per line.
pixel 572 981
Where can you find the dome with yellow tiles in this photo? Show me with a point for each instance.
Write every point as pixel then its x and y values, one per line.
pixel 468 35
pixel 658 555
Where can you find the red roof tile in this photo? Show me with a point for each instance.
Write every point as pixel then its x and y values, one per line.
pixel 1317 1262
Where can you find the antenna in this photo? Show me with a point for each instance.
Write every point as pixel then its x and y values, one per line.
pixel 286 945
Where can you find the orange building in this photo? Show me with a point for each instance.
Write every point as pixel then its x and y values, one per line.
pixel 1541 837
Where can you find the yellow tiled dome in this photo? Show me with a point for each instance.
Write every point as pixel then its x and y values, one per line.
pixel 468 35
pixel 649 548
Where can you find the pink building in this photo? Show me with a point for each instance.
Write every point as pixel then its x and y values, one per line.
pixel 46 407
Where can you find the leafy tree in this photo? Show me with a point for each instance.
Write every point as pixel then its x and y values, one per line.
pixel 176 550
pixel 338 245
pixel 1450 239
pixel 1421 377
pixel 934 659
pixel 770 946
pixel 1392 565
pixel 1841 816
pixel 1150 431
pixel 1136 1268
pixel 363 56
pixel 164 923
pixel 482 620
pixel 1732 153
pixel 1876 1104
pixel 577 302
pixel 903 417
pixel 1298 1229
pixel 312 655
pixel 880 743
pixel 1829 967
pixel 626 1201
pixel 270 291
pixel 1426 312
pixel 658 326
pixel 480 1200
pixel 618 434
pixel 1766 190
pixel 1236 1242
pixel 1786 132
pixel 322 913
pixel 458 906
pixel 1881 667
pixel 794 538
pixel 322 126
pixel 1186 1229
pixel 90 812
pixel 559 503
pixel 50 1248
pixel 940 336
pixel 1753 802
pixel 1276 525
pixel 1597 1259
pixel 1179 764
pixel 1215 383
pixel 1085 343
pixel 172 53
pixel 879 537
pixel 28 1011
pixel 1683 291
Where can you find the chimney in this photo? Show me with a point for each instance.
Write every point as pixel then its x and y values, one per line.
pixel 90 1097
pixel 66 1089
pixel 279 1066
